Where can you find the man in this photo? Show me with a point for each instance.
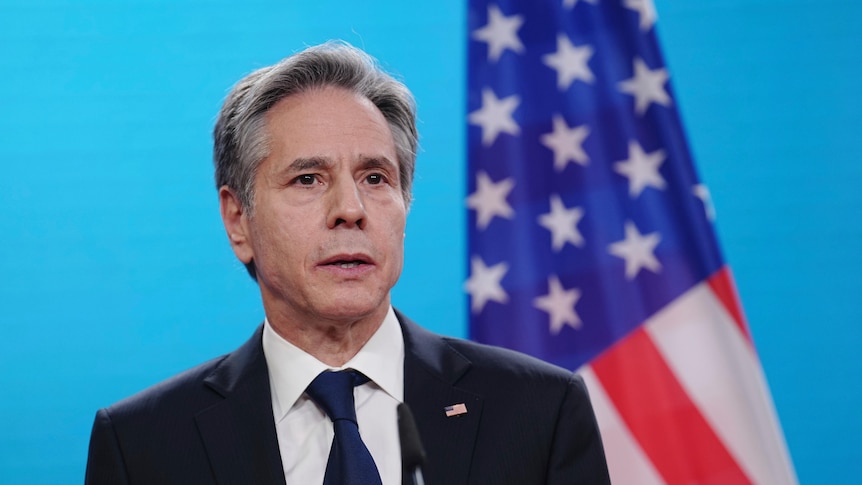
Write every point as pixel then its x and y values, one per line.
pixel 314 162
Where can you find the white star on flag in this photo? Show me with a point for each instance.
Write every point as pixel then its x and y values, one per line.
pixel 702 192
pixel 559 303
pixel 495 116
pixel 637 250
pixel 645 9
pixel 566 143
pixel 484 283
pixel 570 4
pixel 570 62
pixel 500 33
pixel 489 199
pixel 642 169
pixel 563 224
pixel 646 86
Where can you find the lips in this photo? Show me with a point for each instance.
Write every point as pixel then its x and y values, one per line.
pixel 347 261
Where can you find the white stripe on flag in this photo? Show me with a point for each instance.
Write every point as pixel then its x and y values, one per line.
pixel 717 367
pixel 627 462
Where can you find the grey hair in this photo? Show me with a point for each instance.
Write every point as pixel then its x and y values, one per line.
pixel 240 141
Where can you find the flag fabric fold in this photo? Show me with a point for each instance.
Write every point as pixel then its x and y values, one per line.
pixel 591 242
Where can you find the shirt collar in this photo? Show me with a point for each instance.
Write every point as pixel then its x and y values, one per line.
pixel 291 369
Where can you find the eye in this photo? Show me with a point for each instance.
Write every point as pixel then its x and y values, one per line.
pixel 305 179
pixel 375 179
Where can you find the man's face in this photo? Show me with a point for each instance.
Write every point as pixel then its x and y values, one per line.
pixel 327 230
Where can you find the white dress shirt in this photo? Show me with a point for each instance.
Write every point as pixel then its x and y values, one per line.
pixel 305 432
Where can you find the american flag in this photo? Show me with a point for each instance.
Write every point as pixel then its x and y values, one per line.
pixel 455 410
pixel 591 242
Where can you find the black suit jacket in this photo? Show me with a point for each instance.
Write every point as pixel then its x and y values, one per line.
pixel 527 422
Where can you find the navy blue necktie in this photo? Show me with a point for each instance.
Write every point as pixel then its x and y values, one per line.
pixel 349 463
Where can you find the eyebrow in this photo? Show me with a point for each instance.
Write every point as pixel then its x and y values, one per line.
pixel 303 164
pixel 378 162
pixel 314 163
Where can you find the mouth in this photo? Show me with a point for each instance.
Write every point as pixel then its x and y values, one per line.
pixel 346 264
pixel 347 261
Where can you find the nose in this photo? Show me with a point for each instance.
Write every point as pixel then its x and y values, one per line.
pixel 346 207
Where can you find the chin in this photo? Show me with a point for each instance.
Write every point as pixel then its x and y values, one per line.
pixel 352 308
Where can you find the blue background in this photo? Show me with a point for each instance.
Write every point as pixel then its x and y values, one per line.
pixel 115 272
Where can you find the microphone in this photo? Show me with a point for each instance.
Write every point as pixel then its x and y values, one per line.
pixel 412 453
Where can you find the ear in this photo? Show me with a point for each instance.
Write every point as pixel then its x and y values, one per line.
pixel 235 224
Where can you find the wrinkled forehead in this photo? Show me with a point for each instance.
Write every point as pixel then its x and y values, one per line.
pixel 329 123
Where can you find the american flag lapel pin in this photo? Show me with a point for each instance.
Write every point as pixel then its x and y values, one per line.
pixel 455 410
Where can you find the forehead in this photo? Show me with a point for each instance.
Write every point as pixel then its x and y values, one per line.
pixel 328 122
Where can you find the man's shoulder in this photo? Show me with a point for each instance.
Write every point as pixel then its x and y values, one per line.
pixel 179 391
pixel 490 363
pixel 196 388
pixel 490 358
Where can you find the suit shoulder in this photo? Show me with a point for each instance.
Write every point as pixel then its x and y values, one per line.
pixel 175 392
pixel 453 356
pixel 199 386
pixel 514 364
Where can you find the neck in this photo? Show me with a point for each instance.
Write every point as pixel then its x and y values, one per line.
pixel 331 341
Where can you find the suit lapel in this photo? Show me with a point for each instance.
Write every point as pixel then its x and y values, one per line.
pixel 432 370
pixel 239 432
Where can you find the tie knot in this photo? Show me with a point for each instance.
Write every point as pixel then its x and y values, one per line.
pixel 333 391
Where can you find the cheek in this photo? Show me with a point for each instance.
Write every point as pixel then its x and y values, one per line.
pixel 277 236
pixel 396 241
pixel 397 218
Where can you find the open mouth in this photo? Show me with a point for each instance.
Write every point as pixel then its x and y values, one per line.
pixel 347 264
pixel 347 261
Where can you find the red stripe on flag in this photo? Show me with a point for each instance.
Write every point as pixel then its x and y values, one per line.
pixel 660 415
pixel 721 283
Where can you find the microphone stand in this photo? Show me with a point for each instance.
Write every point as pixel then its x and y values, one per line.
pixel 412 452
